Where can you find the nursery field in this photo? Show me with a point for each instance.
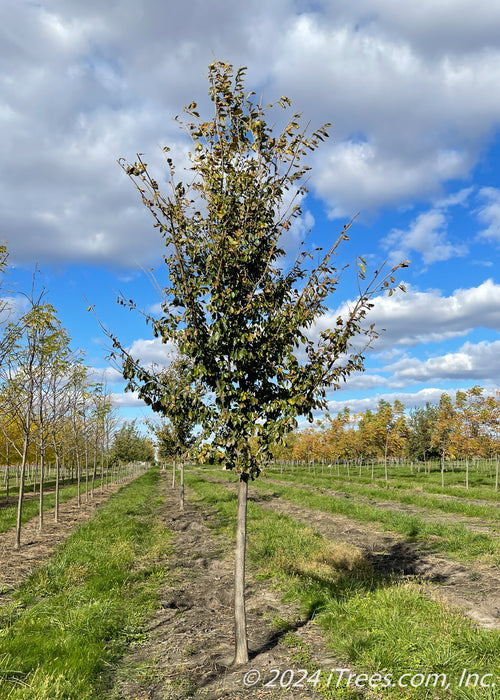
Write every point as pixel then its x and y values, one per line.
pixel 355 589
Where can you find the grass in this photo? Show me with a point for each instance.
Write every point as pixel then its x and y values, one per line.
pixel 454 539
pixel 481 485
pixel 74 617
pixel 390 493
pixel 8 513
pixel 378 624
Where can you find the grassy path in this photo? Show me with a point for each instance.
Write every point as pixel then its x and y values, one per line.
pixel 8 513
pixel 445 503
pixel 451 538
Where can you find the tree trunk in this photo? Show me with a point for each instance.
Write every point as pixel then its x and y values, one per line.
pixel 42 475
pixel 94 474
pixel 8 475
pixel 182 485
pixel 17 543
pixel 173 474
pixel 78 479
pixel 240 619
pixel 385 458
pixel 58 472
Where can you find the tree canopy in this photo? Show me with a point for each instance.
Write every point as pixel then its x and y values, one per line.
pixel 130 446
pixel 244 320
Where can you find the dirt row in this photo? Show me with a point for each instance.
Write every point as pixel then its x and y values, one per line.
pixel 190 647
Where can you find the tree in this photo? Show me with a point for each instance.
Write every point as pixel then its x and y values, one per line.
pixel 176 434
pixel 231 308
pixel 444 429
pixel 30 342
pixel 421 426
pixel 476 416
pixel 130 446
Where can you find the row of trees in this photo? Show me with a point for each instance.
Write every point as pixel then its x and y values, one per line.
pixel 51 412
pixel 465 426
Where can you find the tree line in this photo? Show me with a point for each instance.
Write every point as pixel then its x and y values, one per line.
pixel 461 427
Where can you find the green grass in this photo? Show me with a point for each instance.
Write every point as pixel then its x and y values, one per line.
pixel 8 513
pixel 454 539
pixel 481 485
pixel 74 617
pixel 377 624
pixel 392 494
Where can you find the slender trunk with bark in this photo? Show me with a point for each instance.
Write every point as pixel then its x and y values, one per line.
pixel 182 485
pixel 7 471
pixel 78 479
pixel 22 476
pixel 241 656
pixel 94 473
pixel 42 474
pixel 58 468
pixel 86 474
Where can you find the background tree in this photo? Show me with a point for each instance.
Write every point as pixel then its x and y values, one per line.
pixel 444 429
pixel 231 308
pixel 421 423
pixel 29 341
pixel 130 446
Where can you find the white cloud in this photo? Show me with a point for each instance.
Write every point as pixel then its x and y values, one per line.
pixel 428 233
pixel 407 319
pixel 489 213
pixel 152 352
pixel 109 375
pixel 427 236
pixel 409 399
pixel 480 361
pixel 412 91
pixel 127 399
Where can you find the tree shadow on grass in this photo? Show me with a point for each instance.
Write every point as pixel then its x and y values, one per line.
pixel 403 559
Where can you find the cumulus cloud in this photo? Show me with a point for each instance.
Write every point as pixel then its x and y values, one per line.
pixel 412 92
pixel 108 375
pixel 428 234
pixel 472 362
pixel 418 317
pixel 127 399
pixel 409 399
pixel 152 352
pixel 489 213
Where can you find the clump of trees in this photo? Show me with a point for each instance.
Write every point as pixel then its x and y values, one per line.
pixel 129 445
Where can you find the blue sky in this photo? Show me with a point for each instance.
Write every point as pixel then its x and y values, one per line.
pixel 411 90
